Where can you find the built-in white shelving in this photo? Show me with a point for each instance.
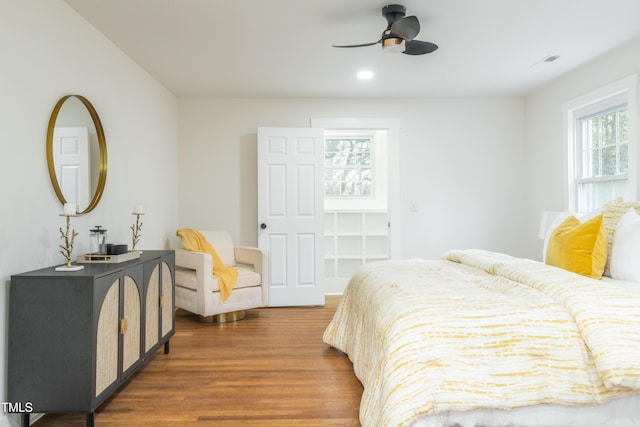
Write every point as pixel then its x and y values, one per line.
pixel 353 238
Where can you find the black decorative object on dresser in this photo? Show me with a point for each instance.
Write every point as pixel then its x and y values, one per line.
pixel 75 337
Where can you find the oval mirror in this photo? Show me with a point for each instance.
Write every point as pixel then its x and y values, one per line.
pixel 77 153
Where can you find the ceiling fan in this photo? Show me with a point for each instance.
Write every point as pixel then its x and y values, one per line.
pixel 400 33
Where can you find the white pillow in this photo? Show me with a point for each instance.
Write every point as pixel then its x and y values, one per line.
pixel 625 251
pixel 551 227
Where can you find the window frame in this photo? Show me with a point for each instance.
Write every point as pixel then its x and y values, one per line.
pixel 599 102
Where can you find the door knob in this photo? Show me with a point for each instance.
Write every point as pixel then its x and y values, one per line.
pixel 263 225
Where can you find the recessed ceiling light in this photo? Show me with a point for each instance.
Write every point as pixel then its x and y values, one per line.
pixel 365 74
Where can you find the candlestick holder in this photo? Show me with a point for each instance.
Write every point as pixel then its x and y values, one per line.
pixel 135 230
pixel 68 236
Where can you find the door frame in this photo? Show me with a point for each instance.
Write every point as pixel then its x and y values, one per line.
pixel 392 126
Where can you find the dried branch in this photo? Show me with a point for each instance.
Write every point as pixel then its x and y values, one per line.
pixel 67 248
pixel 135 231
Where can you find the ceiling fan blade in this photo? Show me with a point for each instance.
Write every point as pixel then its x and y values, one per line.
pixel 417 47
pixel 360 45
pixel 407 28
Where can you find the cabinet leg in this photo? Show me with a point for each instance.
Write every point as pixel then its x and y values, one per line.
pixel 90 418
pixel 24 420
pixel 166 347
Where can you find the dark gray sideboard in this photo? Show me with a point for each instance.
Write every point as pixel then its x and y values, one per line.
pixel 75 337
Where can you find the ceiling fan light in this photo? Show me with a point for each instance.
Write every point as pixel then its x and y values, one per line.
pixel 393 44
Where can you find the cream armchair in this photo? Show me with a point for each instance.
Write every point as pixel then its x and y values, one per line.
pixel 197 288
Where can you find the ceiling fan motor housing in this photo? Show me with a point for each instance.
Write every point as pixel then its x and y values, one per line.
pixel 393 12
pixel 392 42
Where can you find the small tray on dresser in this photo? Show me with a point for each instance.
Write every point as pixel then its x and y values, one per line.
pixel 107 259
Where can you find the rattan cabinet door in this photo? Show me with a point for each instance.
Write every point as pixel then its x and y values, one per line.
pixel 107 339
pixel 130 324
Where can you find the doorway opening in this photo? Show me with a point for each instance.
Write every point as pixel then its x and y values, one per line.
pixel 391 126
pixel 356 220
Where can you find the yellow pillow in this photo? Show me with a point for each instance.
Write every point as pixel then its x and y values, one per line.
pixel 579 247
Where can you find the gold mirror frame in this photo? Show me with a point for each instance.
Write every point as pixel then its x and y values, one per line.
pixel 102 146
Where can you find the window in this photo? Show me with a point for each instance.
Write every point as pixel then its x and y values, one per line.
pixel 348 166
pixel 602 146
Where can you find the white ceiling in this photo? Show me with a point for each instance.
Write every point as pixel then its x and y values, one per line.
pixel 283 48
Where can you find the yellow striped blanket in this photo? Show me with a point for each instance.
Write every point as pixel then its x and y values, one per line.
pixel 483 330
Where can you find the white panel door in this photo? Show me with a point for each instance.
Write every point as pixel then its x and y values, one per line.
pixel 291 213
pixel 71 161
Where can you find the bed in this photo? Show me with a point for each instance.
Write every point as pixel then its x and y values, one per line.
pixel 485 339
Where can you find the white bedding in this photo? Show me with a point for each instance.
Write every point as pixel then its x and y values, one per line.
pixel 483 339
pixel 629 286
pixel 619 412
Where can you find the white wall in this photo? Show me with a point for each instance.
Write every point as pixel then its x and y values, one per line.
pixel 545 141
pixel 48 51
pixel 461 160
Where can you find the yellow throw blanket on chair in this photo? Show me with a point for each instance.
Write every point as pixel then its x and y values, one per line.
pixel 193 240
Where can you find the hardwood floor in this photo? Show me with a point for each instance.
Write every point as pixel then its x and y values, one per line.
pixel 270 369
